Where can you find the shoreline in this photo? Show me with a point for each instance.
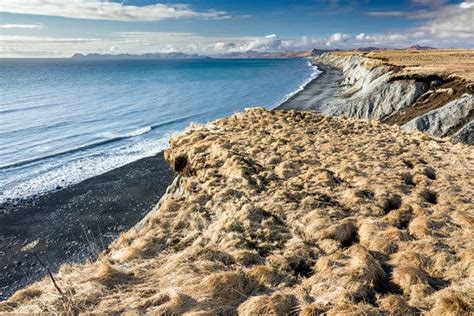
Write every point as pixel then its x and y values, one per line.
pixel 316 92
pixel 12 203
pixel 77 222
pixel 94 201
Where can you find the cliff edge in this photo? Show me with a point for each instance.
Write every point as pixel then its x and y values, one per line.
pixel 425 91
pixel 279 212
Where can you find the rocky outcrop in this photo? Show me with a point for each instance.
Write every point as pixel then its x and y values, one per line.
pixel 286 213
pixel 367 92
pixel 465 134
pixel 376 90
pixel 440 122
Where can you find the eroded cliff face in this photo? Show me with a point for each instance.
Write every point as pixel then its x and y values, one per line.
pixel 439 105
pixel 290 213
pixel 440 121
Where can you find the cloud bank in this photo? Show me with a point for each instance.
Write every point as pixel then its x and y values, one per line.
pixel 21 26
pixel 106 10
pixel 441 26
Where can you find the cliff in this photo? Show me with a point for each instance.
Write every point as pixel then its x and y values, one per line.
pixel 290 213
pixel 398 88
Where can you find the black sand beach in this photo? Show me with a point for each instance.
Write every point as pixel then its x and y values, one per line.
pixel 79 221
pixel 317 92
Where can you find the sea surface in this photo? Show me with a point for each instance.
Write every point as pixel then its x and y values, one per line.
pixel 63 121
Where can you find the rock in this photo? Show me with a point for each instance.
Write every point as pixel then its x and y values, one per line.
pixel 436 83
pixel 374 90
pixel 440 121
pixel 369 91
pixel 465 134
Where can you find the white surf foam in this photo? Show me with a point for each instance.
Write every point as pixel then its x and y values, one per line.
pixel 139 131
pixel 50 178
pixel 314 74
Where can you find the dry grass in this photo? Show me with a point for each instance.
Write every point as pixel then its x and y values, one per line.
pixel 291 213
pixel 459 62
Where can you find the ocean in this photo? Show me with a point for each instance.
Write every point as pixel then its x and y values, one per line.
pixel 63 121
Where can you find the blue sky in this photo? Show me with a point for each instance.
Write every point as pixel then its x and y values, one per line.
pixel 61 28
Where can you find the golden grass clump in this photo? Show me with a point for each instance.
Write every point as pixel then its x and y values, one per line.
pixel 395 305
pixel 277 213
pixel 453 303
pixel 276 304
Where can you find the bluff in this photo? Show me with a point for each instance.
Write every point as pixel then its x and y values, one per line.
pixel 425 96
pixel 277 212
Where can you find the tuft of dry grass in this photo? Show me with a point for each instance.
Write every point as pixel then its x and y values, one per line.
pixel 276 304
pixel 290 213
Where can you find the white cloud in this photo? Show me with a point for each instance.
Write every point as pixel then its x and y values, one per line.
pixel 452 23
pixel 338 37
pixel 21 26
pixel 387 13
pixel 106 10
pixel 360 36
pixel 447 26
pixel 154 42
pixel 467 5
pixel 429 3
pixel 5 39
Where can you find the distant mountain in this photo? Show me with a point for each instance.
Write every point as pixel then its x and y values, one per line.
pixel 418 47
pixel 140 56
pixel 368 49
pixel 247 54
pixel 319 51
pixel 255 54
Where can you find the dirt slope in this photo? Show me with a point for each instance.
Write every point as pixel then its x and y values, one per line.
pixel 288 212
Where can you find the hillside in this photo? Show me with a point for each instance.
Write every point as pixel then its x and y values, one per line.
pixel 290 213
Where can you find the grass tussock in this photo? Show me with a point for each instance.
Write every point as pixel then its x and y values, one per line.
pixel 281 213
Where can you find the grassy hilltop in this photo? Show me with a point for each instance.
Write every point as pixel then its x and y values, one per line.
pixel 290 212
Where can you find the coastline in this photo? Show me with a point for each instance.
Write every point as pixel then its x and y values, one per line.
pixel 105 204
pixel 75 223
pixel 265 205
pixel 316 92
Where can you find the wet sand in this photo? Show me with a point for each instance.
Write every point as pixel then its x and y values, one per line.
pixel 315 94
pixel 76 223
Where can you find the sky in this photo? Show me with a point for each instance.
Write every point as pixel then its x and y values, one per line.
pixel 60 28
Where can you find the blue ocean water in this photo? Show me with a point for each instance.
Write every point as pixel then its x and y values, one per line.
pixel 62 121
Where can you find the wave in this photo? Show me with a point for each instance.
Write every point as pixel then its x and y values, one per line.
pixel 27 108
pixel 53 175
pixel 110 139
pixel 113 136
pixel 140 131
pixel 314 74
